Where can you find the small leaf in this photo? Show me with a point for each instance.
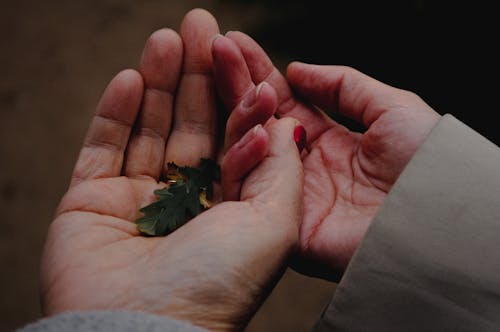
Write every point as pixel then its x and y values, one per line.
pixel 147 225
pixel 187 194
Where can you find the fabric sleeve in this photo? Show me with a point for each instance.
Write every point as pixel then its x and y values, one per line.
pixel 108 321
pixel 430 260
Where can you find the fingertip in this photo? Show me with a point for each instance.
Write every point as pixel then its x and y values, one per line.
pixel 295 69
pixel 231 33
pixel 224 49
pixel 241 38
pixel 213 42
pixel 259 64
pixel 257 135
pixel 246 43
pixel 255 139
pixel 197 15
pixel 129 78
pixel 161 59
pixel 259 87
pixel 201 19
pixel 266 102
pixel 197 30
pixel 287 134
pixel 232 78
pixel 241 159
pixel 128 84
pixel 296 63
pixel 265 91
pixel 292 66
pixel 124 90
pixel 165 34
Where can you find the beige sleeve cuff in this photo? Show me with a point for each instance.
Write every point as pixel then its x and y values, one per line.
pixel 430 260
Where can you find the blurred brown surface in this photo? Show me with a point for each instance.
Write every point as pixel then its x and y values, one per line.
pixel 56 59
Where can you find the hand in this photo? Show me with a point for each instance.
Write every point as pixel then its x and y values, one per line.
pixel 215 270
pixel 347 174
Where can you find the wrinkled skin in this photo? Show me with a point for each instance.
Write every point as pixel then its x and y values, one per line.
pixel 217 269
pixel 347 174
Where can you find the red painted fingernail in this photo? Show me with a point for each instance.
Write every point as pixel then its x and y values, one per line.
pixel 300 137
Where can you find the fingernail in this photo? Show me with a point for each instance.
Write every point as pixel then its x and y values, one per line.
pixel 249 135
pixel 215 37
pixel 300 137
pixel 251 97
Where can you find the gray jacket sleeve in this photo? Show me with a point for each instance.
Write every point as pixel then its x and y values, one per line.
pixel 108 321
pixel 430 260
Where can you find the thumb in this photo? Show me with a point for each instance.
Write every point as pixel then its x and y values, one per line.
pixel 275 187
pixel 341 89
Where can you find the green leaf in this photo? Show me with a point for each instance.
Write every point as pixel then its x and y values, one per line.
pixel 180 200
pixel 147 225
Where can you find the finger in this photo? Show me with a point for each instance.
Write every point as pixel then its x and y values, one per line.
pixel 341 89
pixel 262 69
pixel 249 105
pixel 108 133
pixel 240 159
pixel 194 129
pixel 257 107
pixel 232 78
pixel 160 67
pixel 275 187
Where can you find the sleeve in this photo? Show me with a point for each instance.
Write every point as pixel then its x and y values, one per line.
pixel 108 321
pixel 430 261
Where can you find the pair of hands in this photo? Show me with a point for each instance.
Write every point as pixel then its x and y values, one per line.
pixel 217 269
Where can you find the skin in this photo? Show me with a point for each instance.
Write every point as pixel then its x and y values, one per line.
pixel 217 269
pixel 347 174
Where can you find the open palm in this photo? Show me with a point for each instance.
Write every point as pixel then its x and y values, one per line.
pixel 347 174
pixel 215 270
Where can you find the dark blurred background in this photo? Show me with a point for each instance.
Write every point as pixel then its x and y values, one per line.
pixel 57 57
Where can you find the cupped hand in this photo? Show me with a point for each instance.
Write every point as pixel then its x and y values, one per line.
pixel 347 174
pixel 215 270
